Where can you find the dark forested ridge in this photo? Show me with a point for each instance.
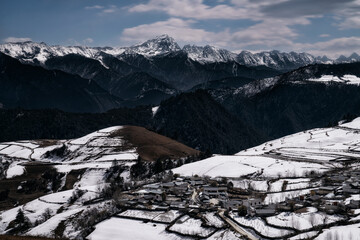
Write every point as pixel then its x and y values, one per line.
pixel 199 121
pixel 291 103
pixel 234 111
pixel 19 124
pixel 34 87
pixel 194 119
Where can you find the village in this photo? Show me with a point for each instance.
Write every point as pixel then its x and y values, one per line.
pixel 198 207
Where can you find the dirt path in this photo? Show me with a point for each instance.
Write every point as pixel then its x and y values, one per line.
pixel 236 227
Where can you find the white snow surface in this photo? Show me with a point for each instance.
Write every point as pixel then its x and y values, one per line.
pixel 58 197
pixel 341 233
pixel 150 215
pixel 306 235
pixel 191 226
pixel 302 221
pixel 46 228
pixel 154 110
pixel 348 79
pixel 281 196
pixel 7 216
pixel 213 220
pixel 226 235
pixel 331 143
pixel 237 166
pixel 261 227
pixel 304 152
pixel 15 170
pixel 120 228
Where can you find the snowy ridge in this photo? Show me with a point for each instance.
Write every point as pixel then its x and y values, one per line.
pixel 295 155
pixel 159 45
pixel 276 59
pixel 256 87
pixel 39 52
pixel 97 145
pixel 208 54
pixel 347 79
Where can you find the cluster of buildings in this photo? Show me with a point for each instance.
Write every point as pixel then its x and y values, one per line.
pixel 205 194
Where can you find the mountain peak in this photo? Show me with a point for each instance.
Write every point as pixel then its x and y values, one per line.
pixel 158 45
pixel 354 55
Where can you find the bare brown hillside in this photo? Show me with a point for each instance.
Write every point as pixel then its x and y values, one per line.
pixel 151 146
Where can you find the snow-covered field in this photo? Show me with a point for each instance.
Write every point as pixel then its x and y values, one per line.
pixel 238 166
pixel 190 226
pixel 291 156
pixel 226 235
pixel 348 232
pixel 323 142
pixel 261 227
pixel 213 220
pixel 120 228
pixel 303 221
pixel 281 196
pixel 348 79
pixel 160 216
pixel 97 145
pixel 46 228
pixel 15 169
pixel 95 153
pixel 306 235
pixel 273 186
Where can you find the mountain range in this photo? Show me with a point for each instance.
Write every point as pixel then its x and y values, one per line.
pixel 207 98
pixel 40 52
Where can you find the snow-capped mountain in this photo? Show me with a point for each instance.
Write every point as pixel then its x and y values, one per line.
pixel 352 58
pixel 208 54
pixel 159 45
pixel 276 59
pixel 40 52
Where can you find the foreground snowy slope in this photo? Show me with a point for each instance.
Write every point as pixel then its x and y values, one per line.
pixel 56 181
pixel 296 155
pixel 82 162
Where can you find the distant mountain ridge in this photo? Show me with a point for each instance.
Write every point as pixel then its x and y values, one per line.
pixel 312 96
pixel 161 58
pixel 40 52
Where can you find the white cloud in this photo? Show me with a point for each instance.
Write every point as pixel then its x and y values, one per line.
pixel 273 28
pixel 94 7
pixel 16 39
pixel 88 40
pixel 268 33
pixel 103 10
pixel 194 9
pixel 181 30
pixel 332 48
pixel 110 9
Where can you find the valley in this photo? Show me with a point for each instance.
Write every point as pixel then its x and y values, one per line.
pixel 305 184
pixel 183 143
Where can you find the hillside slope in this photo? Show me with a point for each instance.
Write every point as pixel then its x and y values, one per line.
pixel 197 120
pixel 296 155
pixel 309 97
pixel 33 87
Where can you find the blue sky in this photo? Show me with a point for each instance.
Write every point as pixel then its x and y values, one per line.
pixel 330 27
